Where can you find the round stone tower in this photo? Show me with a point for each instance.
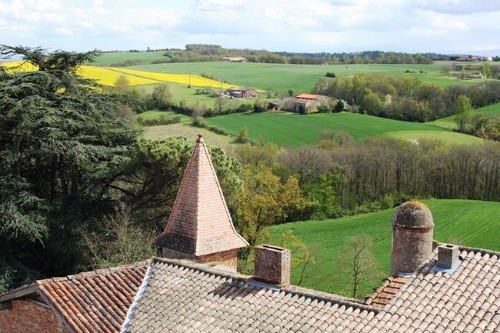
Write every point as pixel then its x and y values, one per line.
pixel 412 234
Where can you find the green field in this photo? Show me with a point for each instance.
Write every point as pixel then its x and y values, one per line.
pixel 465 222
pixel 183 129
pixel 301 78
pixel 109 58
pixel 190 97
pixel 293 130
pixel 449 122
pixel 493 109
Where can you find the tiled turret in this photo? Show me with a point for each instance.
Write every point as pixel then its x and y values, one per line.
pixel 200 227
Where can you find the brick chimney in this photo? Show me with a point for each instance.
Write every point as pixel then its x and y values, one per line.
pixel 272 264
pixel 412 233
pixel 200 227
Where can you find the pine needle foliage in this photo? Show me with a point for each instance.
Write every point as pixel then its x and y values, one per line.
pixel 61 148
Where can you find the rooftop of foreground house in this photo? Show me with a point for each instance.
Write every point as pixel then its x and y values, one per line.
pixel 94 301
pixel 180 296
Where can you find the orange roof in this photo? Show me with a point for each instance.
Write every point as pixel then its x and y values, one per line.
pixel 95 301
pixel 386 291
pixel 308 96
pixel 200 222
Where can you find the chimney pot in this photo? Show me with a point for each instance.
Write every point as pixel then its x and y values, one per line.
pixel 272 264
pixel 448 255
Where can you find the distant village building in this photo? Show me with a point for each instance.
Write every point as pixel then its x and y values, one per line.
pixel 468 58
pixel 237 92
pixel 194 286
pixel 234 59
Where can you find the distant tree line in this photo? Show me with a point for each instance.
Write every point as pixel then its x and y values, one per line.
pixel 210 52
pixel 365 57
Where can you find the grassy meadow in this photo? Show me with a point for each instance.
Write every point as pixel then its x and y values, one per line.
pixel 111 58
pixel 301 78
pixel 449 122
pixel 289 129
pixel 190 132
pixel 278 77
pixel 276 127
pixel 465 222
pixel 490 109
pixel 154 115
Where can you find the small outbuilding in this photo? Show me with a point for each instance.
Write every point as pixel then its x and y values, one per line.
pixel 237 92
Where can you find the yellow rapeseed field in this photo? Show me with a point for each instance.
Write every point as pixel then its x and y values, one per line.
pixel 18 66
pixel 107 76
pixel 185 79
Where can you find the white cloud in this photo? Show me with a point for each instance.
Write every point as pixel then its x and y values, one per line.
pixel 457 7
pixel 303 25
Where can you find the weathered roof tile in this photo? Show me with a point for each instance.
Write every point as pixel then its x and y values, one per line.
pixel 95 301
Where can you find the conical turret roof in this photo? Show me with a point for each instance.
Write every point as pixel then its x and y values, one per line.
pixel 200 223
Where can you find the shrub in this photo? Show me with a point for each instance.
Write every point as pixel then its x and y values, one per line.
pixel 218 130
pixel 199 122
pixel 245 108
pixel 126 63
pixel 260 105
pixel 243 135
pixel 339 107
pixel 162 120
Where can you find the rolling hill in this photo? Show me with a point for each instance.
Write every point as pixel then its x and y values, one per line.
pixel 293 130
pixel 464 222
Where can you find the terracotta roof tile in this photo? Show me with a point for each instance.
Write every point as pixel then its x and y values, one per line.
pixel 386 292
pixel 95 301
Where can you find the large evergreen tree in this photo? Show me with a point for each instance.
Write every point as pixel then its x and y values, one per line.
pixel 61 147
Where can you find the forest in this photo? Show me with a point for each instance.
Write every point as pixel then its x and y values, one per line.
pixel 80 189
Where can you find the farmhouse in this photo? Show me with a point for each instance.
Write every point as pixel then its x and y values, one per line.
pixel 194 285
pixel 312 97
pixel 237 92
pixel 468 58
pixel 302 103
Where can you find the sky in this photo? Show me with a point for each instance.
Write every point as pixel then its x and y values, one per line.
pixel 441 26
